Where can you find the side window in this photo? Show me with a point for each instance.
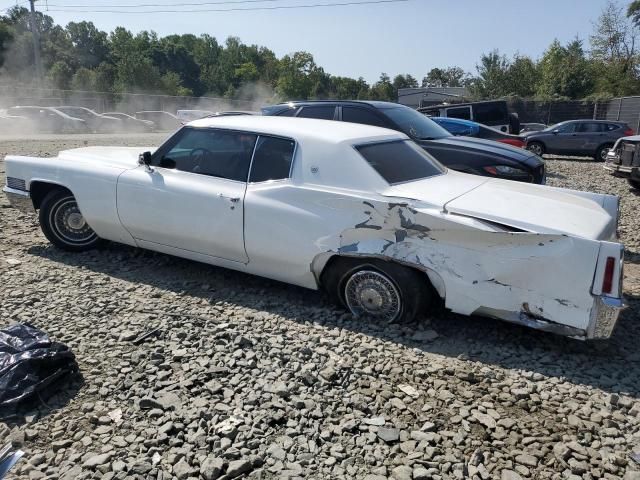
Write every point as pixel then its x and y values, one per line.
pixel 323 112
pixel 272 159
pixel 590 127
pixel 216 153
pixel 611 127
pixel 459 112
pixel 361 115
pixel 567 128
pixel 289 112
pixel 490 113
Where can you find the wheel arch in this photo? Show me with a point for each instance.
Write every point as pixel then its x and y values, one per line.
pixel 39 189
pixel 324 261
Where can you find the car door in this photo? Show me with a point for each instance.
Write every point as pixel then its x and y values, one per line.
pixel 562 139
pixel 588 137
pixel 192 196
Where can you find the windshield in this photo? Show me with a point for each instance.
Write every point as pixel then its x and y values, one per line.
pixel 415 124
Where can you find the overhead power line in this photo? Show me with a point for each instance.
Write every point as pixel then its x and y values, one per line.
pixel 142 5
pixel 249 9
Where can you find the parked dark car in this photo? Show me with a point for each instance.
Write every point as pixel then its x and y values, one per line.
pixel 95 122
pixel 623 160
pixel 591 138
pixel 163 120
pixel 49 119
pixel 467 128
pixel 465 154
pixel 132 124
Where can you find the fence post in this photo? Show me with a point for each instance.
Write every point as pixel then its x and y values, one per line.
pixel 595 110
pixel 638 124
pixel 549 114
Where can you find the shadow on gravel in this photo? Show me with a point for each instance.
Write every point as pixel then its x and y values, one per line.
pixel 612 366
pixel 42 406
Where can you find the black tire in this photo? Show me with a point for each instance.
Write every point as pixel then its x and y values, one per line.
pixel 63 224
pixel 536 147
pixel 601 153
pixel 345 279
pixel 634 183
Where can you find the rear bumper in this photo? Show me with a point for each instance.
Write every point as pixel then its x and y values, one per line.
pixel 19 199
pixel 604 317
pixel 621 170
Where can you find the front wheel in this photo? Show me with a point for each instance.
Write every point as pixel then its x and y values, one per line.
pixel 385 291
pixel 601 153
pixel 536 147
pixel 63 224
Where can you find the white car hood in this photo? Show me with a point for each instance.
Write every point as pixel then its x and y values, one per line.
pixel 120 157
pixel 524 206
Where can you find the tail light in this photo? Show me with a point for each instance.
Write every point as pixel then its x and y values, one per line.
pixel 515 142
pixel 609 269
pixel 628 132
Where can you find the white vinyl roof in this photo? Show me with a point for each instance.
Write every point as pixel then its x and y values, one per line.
pixel 328 131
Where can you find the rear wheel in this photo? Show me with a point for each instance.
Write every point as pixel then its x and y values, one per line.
pixel 536 147
pixel 601 153
pixel 635 183
pixel 63 224
pixel 385 291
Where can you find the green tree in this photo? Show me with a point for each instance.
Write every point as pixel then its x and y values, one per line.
pixel 383 89
pixel 522 77
pixel 565 72
pixel 90 45
pixel 60 75
pixel 491 81
pixel 444 77
pixel 404 81
pixel 84 79
pixel 294 81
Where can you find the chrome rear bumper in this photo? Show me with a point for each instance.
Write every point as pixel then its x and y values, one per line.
pixel 19 199
pixel 604 317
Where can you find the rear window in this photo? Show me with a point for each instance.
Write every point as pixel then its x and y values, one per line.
pixel 272 159
pixel 400 161
pixel 322 113
pixel 491 113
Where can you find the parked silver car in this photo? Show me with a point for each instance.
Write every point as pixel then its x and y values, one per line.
pixel 578 137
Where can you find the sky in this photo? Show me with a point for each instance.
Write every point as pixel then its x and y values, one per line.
pixel 360 40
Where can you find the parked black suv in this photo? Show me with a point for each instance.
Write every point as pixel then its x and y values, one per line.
pixel 465 154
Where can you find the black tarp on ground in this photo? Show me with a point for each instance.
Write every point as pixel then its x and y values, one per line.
pixel 30 364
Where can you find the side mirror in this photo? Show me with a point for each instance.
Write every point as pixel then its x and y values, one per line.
pixel 144 159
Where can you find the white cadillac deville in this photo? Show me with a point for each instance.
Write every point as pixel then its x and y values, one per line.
pixel 357 210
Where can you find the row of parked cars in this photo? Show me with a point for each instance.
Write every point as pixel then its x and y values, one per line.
pixel 72 119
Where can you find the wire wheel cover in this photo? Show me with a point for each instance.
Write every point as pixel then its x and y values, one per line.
pixel 368 292
pixel 68 224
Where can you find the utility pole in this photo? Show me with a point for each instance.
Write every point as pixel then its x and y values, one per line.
pixel 36 42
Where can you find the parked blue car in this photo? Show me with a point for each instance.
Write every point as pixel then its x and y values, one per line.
pixel 467 128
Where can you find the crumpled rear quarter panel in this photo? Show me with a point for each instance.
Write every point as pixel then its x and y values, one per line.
pixel 544 276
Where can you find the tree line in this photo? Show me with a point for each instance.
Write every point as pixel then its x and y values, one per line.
pixel 81 57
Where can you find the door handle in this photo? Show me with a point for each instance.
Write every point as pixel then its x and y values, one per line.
pixel 231 199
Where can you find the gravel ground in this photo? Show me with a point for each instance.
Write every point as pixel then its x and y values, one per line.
pixel 252 378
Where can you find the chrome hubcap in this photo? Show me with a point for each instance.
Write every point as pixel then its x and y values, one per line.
pixel 536 149
pixel 69 224
pixel 368 292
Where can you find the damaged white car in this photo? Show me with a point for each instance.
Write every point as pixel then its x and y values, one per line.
pixel 357 210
